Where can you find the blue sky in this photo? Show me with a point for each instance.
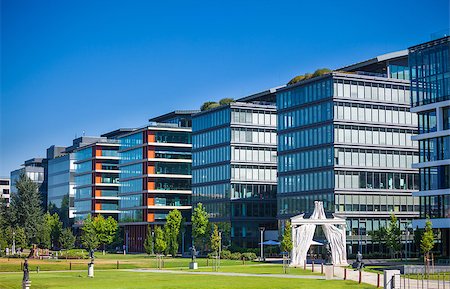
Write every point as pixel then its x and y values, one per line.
pixel 94 66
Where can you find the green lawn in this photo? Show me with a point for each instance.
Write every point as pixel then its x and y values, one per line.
pixel 124 280
pixel 108 261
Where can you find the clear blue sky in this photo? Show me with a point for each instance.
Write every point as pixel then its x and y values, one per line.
pixel 94 66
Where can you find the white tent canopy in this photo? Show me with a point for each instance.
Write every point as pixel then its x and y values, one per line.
pixel 303 233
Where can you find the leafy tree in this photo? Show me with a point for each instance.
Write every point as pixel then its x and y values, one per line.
pixel 209 105
pixel 148 243
pixel 286 243
pixel 89 237
pixel 49 231
pixel 26 208
pixel 427 240
pixel 160 243
pixel 172 230
pixel 225 101
pixel 105 229
pixel 63 211
pixel 225 228
pixel 215 239
pixel 18 235
pixel 379 236
pixel 393 236
pixel 318 72
pixel 44 233
pixel 66 239
pixel 199 224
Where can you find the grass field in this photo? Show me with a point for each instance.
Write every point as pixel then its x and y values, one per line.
pixel 109 262
pixel 136 280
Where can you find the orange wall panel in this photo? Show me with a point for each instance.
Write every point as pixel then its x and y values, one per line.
pixel 98 152
pixel 151 169
pixel 151 136
pixel 98 166
pixel 98 206
pixel 98 179
pixel 150 201
pixel 150 217
pixel 98 193
pixel 151 153
pixel 150 185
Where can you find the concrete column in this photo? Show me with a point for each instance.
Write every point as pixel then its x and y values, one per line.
pixel 439 119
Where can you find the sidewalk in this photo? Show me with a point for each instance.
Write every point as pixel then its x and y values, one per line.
pixel 372 279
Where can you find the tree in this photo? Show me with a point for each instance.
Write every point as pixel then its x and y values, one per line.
pixel 379 237
pixel 89 237
pixel 199 224
pixel 26 208
pixel 286 243
pixel 160 243
pixel 209 105
pixel 63 211
pixel 17 235
pixel 226 101
pixel 105 230
pixel 318 72
pixel 66 239
pixel 172 230
pixel 427 240
pixel 148 243
pixel 215 239
pixel 393 236
pixel 49 231
pixel 44 233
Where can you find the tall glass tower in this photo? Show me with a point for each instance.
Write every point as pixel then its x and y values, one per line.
pixel 345 139
pixel 430 99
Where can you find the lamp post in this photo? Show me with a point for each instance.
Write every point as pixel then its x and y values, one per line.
pixel 13 249
pixel 183 231
pixel 220 246
pixel 261 230
pixel 126 243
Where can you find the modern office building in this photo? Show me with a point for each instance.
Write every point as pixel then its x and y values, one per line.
pixel 344 138
pixel 60 181
pixel 430 99
pixel 4 190
pixel 34 169
pixel 234 167
pixel 60 176
pixel 155 176
pixel 96 180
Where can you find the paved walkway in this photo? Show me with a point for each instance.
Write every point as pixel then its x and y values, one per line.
pixel 372 279
pixel 228 274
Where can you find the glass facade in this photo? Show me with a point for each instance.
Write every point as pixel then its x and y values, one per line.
pixel 346 141
pixel 234 168
pixel 430 72
pixel 96 177
pixel 147 171
pixel 430 86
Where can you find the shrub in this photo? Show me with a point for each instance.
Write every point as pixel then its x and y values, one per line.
pixel 73 254
pixel 236 256
pixel 249 256
pixel 225 254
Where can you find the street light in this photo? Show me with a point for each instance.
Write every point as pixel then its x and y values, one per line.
pixel 261 230
pixel 14 243
pixel 220 246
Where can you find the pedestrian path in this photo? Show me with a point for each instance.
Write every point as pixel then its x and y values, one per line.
pixel 286 276
pixel 377 279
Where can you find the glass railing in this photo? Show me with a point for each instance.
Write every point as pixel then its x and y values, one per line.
pixel 109 153
pixel 107 193
pixel 109 207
